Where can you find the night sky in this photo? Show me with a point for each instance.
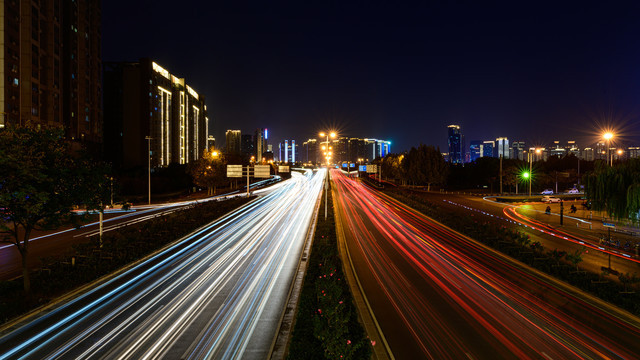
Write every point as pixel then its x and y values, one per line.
pixel 535 72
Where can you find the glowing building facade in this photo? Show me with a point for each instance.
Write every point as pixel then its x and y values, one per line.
pixel 143 99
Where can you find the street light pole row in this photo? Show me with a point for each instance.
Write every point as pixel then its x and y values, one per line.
pixel 327 155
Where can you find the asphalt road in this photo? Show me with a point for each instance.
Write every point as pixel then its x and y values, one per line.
pixel 437 294
pixel 49 243
pixel 217 294
pixel 531 219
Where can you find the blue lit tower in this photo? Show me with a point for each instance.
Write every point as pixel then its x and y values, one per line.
pixel 456 146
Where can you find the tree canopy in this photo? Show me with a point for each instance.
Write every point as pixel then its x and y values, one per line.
pixel 40 183
pixel 209 171
pixel 615 189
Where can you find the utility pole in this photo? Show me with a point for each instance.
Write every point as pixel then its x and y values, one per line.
pixel 530 170
pixel 500 174
pixel 111 178
pixel 149 141
pixel 248 171
pixel 326 190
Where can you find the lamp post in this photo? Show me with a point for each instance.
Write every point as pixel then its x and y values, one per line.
pixel 111 178
pixel 608 136
pixel 149 141
pixel 530 175
pixel 328 156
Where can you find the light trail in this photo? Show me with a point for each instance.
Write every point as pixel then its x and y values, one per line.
pixel 446 296
pixel 201 298
pixel 142 213
pixel 512 216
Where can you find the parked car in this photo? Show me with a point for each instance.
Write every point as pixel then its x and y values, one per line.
pixel 547 192
pixel 550 199
pixel 572 191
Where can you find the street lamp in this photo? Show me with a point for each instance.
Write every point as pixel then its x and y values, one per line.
pixel 608 136
pixel 328 156
pixel 529 175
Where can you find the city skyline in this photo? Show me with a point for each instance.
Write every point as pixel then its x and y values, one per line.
pixel 400 71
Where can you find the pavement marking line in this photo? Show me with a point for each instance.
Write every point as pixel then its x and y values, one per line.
pixel 350 271
pixel 546 356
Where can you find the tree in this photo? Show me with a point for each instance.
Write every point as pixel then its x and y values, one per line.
pixel 425 166
pixel 615 189
pixel 628 279
pixel 575 258
pixel 40 182
pixel 209 171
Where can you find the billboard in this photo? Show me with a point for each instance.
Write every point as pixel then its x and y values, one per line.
pixel 372 169
pixel 234 170
pixel 282 168
pixel 262 171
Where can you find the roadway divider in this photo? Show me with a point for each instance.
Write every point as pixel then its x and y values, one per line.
pixel 327 321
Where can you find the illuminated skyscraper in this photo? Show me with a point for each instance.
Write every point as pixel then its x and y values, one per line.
pixel 288 152
pixel 518 150
pixel 456 144
pixel 502 147
pixel 310 151
pixel 233 140
pixel 488 149
pixel 260 142
pixel 475 149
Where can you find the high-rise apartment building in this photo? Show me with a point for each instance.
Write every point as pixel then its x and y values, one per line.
pixel 233 142
pixel 376 148
pixel 247 146
pixel 518 150
pixel 456 145
pixel 310 151
pixel 475 150
pixel 147 107
pixel 50 66
pixel 502 147
pixel 488 149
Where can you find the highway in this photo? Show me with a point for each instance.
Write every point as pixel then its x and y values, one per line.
pixel 217 294
pixel 439 295
pixel 43 244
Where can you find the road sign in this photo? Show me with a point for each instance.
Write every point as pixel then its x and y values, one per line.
pixel 283 168
pixel 234 171
pixel 362 168
pixel 262 171
pixel 608 224
pixel 372 169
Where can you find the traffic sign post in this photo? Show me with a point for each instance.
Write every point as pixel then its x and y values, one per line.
pixel 259 171
pixel 609 226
